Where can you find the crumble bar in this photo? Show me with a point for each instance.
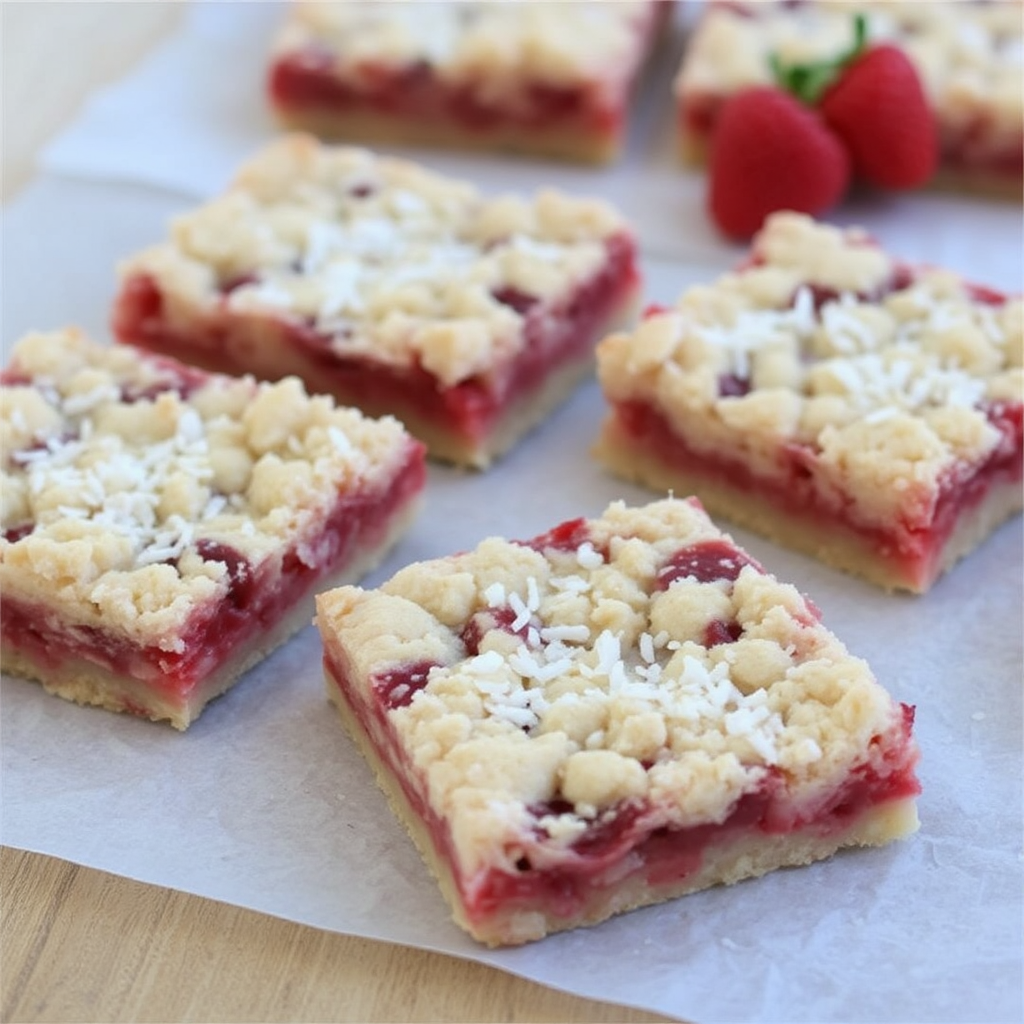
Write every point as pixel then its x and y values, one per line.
pixel 394 289
pixel 612 714
pixel 831 397
pixel 547 79
pixel 164 529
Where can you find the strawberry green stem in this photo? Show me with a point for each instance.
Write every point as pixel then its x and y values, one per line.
pixel 810 80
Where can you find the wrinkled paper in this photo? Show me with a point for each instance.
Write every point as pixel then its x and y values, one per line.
pixel 265 802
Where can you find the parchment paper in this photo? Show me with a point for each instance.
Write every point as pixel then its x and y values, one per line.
pixel 265 803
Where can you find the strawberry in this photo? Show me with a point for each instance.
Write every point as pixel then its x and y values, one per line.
pixel 770 152
pixel 878 106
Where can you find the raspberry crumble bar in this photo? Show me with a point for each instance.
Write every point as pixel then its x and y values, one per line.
pixel 967 54
pixel 613 714
pixel 164 529
pixel 392 288
pixel 831 397
pixel 550 79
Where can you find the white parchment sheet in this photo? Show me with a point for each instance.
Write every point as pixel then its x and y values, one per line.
pixel 265 803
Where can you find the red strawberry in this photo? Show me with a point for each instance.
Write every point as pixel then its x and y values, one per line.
pixel 878 107
pixel 770 152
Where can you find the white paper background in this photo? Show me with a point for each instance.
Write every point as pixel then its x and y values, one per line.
pixel 266 804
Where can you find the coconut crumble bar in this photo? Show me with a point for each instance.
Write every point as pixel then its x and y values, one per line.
pixel 612 714
pixel 547 79
pixel 163 529
pixel 395 289
pixel 831 397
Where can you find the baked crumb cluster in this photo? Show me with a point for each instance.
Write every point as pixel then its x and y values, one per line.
pixel 498 50
pixel 825 344
pixel 635 657
pixel 132 485
pixel 379 257
pixel 968 55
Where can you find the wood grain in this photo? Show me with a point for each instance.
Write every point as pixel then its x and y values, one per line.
pixel 81 945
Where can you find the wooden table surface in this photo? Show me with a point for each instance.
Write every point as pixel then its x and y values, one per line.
pixel 81 945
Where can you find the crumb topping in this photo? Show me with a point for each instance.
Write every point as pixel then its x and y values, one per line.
pixel 132 484
pixel 379 258
pixel 572 674
pixel 497 50
pixel 968 55
pixel 881 374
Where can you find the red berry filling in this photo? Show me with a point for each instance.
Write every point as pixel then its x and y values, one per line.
pixel 553 336
pixel 179 380
pixel 15 533
pixel 567 536
pixel 913 544
pixel 480 624
pixel 306 83
pixel 518 300
pixel 719 632
pixel 902 277
pixel 396 689
pixel 138 316
pixel 706 562
pixel 664 856
pixel 242 589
